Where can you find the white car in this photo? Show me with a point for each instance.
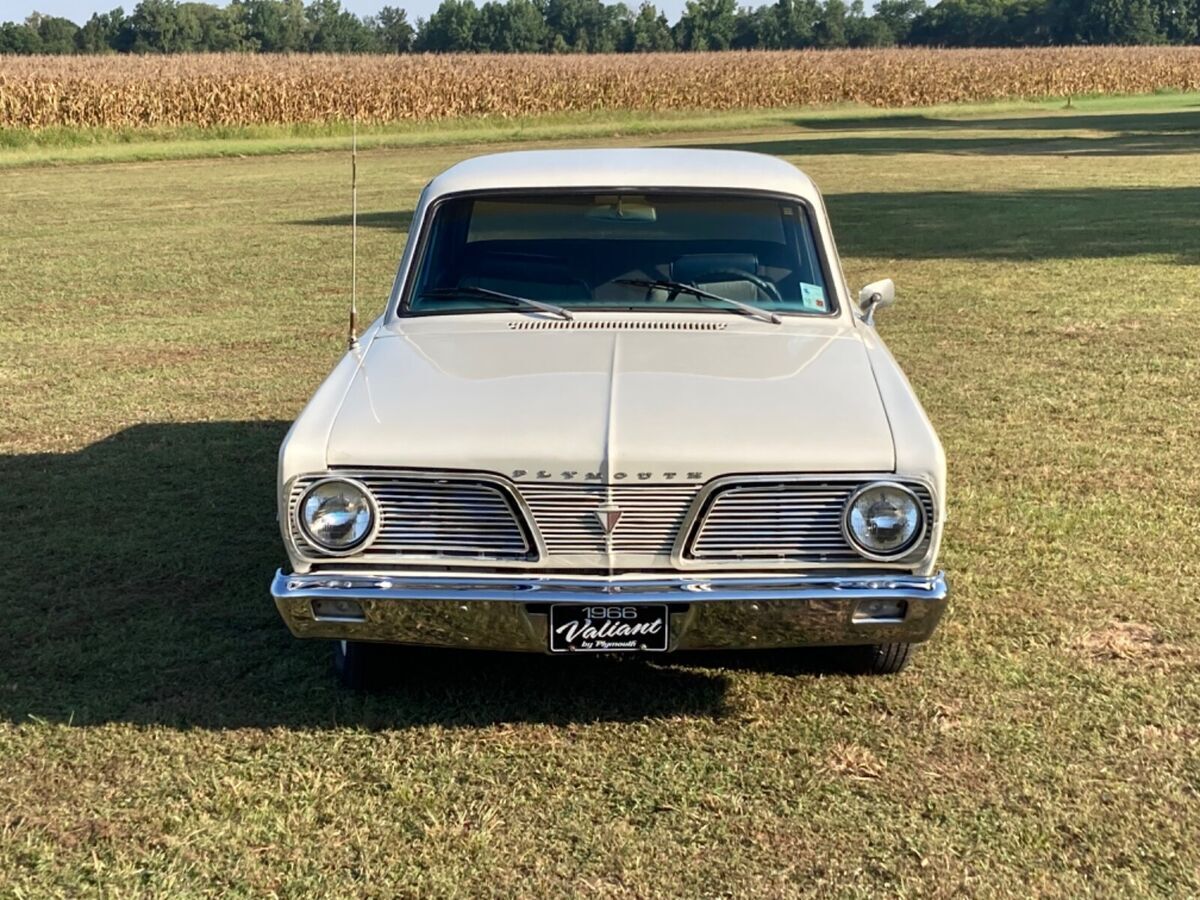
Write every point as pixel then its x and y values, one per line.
pixel 619 401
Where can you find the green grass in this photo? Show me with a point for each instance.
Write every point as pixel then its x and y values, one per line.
pixel 161 733
pixel 61 146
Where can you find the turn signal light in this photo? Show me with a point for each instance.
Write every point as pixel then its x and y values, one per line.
pixel 880 610
pixel 338 610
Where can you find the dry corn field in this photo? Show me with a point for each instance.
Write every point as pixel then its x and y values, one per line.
pixel 208 90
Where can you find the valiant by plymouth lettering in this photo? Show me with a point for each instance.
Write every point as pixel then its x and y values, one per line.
pixel 601 637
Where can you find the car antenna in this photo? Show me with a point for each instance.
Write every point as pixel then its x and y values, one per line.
pixel 352 342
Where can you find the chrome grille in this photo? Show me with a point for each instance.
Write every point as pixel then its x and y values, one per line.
pixel 461 518
pixel 651 516
pixel 797 521
pixel 478 518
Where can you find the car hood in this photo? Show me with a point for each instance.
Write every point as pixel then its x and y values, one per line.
pixel 542 401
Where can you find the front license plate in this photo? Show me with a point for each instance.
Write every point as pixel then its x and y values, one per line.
pixel 608 628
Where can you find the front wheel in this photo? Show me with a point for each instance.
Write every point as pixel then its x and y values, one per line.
pixel 879 659
pixel 356 664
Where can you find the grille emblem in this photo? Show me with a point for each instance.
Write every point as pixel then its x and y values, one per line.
pixel 609 516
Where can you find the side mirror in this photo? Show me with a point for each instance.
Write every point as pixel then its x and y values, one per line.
pixel 876 295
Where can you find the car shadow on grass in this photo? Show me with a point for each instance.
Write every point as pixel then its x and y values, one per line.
pixel 136 591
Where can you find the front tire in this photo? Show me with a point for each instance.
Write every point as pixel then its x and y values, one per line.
pixel 356 664
pixel 879 659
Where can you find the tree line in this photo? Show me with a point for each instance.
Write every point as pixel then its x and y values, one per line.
pixel 592 26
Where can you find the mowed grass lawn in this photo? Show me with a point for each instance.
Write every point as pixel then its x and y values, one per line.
pixel 161 732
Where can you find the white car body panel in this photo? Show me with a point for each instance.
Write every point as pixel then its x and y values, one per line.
pixel 475 392
pixel 558 404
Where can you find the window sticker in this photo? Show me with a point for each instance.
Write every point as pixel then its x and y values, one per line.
pixel 812 295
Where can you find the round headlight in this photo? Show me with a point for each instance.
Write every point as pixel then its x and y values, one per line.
pixel 884 519
pixel 336 515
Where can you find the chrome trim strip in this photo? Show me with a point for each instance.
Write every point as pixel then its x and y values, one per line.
pixel 640 589
pixel 501 612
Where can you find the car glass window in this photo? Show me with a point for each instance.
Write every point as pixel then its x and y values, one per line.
pixel 577 250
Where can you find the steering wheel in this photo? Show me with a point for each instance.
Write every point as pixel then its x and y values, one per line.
pixel 765 287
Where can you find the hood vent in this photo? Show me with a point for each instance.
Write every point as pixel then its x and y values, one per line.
pixel 617 325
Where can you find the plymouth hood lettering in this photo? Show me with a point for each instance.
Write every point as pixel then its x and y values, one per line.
pixel 593 404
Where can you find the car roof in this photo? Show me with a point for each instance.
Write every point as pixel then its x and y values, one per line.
pixel 625 168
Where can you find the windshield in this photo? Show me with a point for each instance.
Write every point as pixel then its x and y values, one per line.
pixel 619 251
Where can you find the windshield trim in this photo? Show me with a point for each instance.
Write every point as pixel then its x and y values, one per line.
pixel 400 305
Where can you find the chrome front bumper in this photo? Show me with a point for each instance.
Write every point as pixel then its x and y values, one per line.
pixel 707 613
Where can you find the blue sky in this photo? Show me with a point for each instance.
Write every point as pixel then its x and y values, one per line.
pixel 79 11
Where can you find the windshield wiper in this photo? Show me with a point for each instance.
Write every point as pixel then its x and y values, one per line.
pixel 678 287
pixel 511 299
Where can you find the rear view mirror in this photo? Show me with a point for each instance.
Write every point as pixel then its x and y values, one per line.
pixel 623 209
pixel 876 295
